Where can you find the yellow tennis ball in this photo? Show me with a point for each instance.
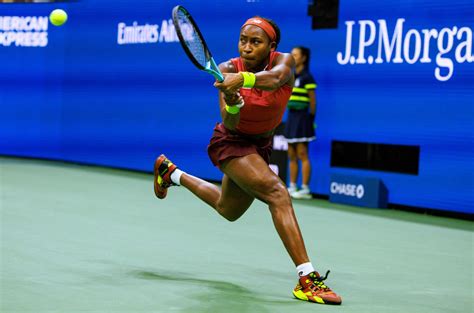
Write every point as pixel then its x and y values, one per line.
pixel 58 17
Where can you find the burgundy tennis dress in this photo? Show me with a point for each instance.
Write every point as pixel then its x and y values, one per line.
pixel 261 114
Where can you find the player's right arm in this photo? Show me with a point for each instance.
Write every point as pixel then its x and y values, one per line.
pixel 229 120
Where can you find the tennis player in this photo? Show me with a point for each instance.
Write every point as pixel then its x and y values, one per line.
pixel 253 99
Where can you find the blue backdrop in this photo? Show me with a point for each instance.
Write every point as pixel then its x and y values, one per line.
pixel 113 87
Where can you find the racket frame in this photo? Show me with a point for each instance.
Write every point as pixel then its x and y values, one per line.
pixel 211 66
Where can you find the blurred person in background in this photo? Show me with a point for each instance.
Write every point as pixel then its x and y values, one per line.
pixel 299 127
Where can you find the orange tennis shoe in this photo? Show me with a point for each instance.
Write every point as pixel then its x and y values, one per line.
pixel 162 170
pixel 311 288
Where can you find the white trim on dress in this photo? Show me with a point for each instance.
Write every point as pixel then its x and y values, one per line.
pixel 304 139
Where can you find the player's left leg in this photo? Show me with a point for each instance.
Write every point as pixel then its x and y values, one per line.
pixel 254 176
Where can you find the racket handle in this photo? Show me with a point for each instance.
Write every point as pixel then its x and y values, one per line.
pixel 218 76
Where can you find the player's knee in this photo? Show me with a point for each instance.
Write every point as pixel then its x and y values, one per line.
pixel 231 218
pixel 226 213
pixel 276 193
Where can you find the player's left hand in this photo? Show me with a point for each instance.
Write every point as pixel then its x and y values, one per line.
pixel 231 84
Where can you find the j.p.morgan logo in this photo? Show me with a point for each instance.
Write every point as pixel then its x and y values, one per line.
pixel 348 189
pixel 377 45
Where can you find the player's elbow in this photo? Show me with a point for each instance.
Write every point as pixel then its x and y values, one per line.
pixel 277 81
pixel 271 84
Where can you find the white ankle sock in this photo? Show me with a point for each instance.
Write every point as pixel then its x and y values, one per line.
pixel 304 269
pixel 176 176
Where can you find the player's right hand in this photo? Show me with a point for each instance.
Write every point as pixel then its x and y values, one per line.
pixel 233 98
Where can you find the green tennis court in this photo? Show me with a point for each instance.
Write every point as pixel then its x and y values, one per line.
pixel 88 239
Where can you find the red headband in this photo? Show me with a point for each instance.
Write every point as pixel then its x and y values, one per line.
pixel 267 27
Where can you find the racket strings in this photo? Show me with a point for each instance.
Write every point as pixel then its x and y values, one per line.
pixel 192 39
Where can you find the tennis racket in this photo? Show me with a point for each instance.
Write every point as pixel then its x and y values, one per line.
pixel 193 42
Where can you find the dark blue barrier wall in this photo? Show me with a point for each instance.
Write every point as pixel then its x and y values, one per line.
pixel 398 73
pixel 358 190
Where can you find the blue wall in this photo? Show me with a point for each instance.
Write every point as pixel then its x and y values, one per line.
pixel 88 97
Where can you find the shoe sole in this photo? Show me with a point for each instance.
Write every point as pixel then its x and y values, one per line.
pixel 300 295
pixel 160 192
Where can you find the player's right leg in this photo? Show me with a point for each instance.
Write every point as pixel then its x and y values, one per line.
pixel 162 172
pixel 231 201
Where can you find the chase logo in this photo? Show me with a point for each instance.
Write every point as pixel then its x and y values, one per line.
pixel 24 31
pixel 358 190
pixel 348 189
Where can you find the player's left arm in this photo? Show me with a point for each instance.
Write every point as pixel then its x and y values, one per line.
pixel 282 73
